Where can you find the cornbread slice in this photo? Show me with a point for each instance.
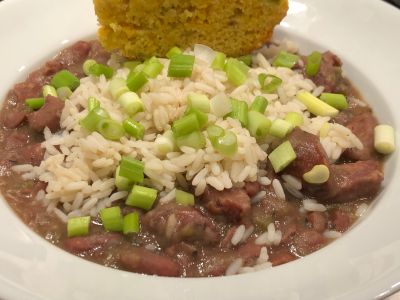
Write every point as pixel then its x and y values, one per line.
pixel 143 28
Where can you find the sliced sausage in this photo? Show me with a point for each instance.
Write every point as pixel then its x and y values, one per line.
pixel 176 223
pixel 92 242
pixel 233 203
pixel 147 262
pixel 47 116
pixel 340 221
pixel 308 241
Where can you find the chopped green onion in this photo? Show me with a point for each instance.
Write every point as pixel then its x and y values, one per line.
pixel 132 64
pixel 280 128
pixel 239 111
pixel 132 169
pixel 34 103
pixel 185 125
pixel 136 80
pixel 285 59
pixel 110 129
pixel 282 156
pixel 199 101
pixel 131 223
pixel 258 125
pixel 139 68
pixel 202 117
pixel 49 90
pixel 323 131
pixel 173 51
pixel 142 197
pixel 112 218
pixel 214 132
pixel 220 105
pixel 63 93
pixel 384 141
pixel 122 183
pixel 93 118
pixel 269 83
pixel 227 144
pixel 219 61
pixel 165 143
pixel 100 69
pixel 194 140
pixel 336 100
pixel 65 78
pixel 316 106
pixel 130 103
pixel 153 67
pixel 184 198
pixel 93 103
pixel 117 87
pixel 247 59
pixel 133 128
pixel 78 226
pixel 313 63
pixel 86 66
pixel 295 118
pixel 236 71
pixel 317 175
pixel 259 104
pixel 181 65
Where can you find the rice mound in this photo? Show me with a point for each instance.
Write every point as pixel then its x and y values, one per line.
pixel 140 29
pixel 79 167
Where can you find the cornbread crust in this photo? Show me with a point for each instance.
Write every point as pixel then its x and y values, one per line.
pixel 143 28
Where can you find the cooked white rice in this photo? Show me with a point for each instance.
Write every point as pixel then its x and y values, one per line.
pixel 79 166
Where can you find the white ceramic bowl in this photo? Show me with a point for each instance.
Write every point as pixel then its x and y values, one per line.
pixel 363 264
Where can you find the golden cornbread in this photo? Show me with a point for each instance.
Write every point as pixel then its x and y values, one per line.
pixel 143 28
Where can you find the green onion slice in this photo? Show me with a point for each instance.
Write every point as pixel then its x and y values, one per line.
pixel 194 140
pixel 294 118
pixel 122 183
pixel 282 156
pixel 78 226
pixel 247 59
pixel 130 103
pixel 269 83
pixel 214 132
pixel 199 101
pixel 316 106
pixel 202 117
pixel 100 69
pixel 239 111
pixel 133 128
pixel 227 144
pixel 93 118
pixel 112 218
pixel 313 63
pixel 165 143
pixel 65 78
pixel 86 66
pixel 131 64
pixel 63 93
pixel 236 71
pixel 258 125
pixel 142 197
pixel 136 80
pixel 131 223
pixel 152 67
pixel 110 129
pixel 35 103
pixel 259 104
pixel 117 87
pixel 93 103
pixel 184 198
pixel 49 90
pixel 219 61
pixel 285 59
pixel 181 65
pixel 173 51
pixel 336 100
pixel 185 125
pixel 132 169
pixel 280 128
